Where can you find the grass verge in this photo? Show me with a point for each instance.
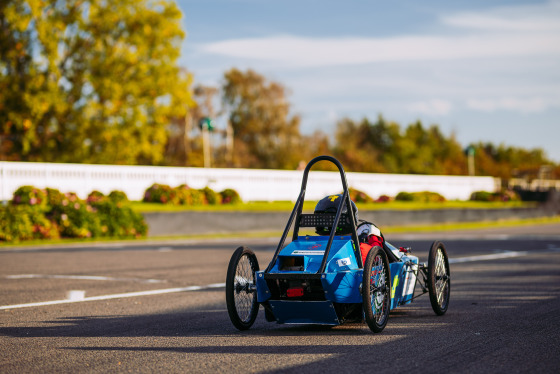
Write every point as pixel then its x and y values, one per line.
pixel 473 225
pixel 287 206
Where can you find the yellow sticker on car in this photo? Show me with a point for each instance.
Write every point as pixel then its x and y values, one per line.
pixel 395 284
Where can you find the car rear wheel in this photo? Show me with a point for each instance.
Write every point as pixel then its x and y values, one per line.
pixel 439 281
pixel 241 290
pixel 376 289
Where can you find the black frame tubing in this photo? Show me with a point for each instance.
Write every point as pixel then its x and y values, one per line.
pixel 298 207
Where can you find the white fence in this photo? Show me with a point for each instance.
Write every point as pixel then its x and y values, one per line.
pixel 252 184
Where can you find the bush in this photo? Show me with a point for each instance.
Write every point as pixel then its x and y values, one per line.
pixel 54 197
pixel 230 196
pixel 15 224
pixel 160 193
pixel 509 195
pixel 118 197
pixel 404 196
pixel 95 197
pixel 184 195
pixel 430 197
pixel 504 195
pixel 189 196
pixel 383 199
pixel 119 221
pixel 423 197
pixel 75 218
pixel 358 196
pixel 21 222
pixel 38 214
pixel 482 196
pixel 212 197
pixel 29 195
pixel 42 227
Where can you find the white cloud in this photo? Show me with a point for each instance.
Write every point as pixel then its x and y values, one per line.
pixel 500 61
pixel 523 105
pixel 312 52
pixel 433 107
pixel 332 116
pixel 532 30
pixel 525 18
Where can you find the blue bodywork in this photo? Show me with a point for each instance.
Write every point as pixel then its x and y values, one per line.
pixel 341 281
pixel 403 280
pixel 342 278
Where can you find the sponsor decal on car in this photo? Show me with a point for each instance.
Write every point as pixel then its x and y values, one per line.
pixel 344 262
pixel 307 252
pixel 395 284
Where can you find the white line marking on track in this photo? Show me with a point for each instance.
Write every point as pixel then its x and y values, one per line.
pixel 75 295
pixel 117 296
pixel 496 256
pixel 81 277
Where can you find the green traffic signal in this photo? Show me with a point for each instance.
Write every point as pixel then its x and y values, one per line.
pixel 206 123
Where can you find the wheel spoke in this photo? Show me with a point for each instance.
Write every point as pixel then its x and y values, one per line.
pixel 441 278
pixel 244 297
pixel 440 292
pixel 440 264
pixel 438 278
pixel 241 295
pixel 378 290
pixel 375 295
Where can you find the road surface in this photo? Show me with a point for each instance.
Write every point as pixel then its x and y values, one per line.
pixel 160 307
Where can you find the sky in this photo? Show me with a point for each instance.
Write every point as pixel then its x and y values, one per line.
pixel 482 70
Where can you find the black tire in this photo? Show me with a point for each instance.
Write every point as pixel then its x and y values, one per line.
pixel 376 289
pixel 241 292
pixel 439 280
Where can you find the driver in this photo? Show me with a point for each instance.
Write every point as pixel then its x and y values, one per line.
pixel 329 205
pixel 369 235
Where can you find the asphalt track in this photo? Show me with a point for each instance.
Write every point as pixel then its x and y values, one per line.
pixel 160 307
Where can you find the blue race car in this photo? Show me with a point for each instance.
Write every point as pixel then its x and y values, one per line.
pixel 346 273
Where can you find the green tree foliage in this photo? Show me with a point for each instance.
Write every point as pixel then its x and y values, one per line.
pixel 505 162
pixel 89 81
pixel 383 147
pixel 265 134
pixel 428 151
pixel 352 146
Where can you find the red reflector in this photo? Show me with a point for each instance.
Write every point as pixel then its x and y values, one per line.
pixel 295 292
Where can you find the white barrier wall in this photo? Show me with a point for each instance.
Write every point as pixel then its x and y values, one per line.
pixel 252 184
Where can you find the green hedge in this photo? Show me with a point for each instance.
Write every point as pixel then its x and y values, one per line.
pixel 424 197
pixel 184 195
pixel 358 196
pixel 44 214
pixel 505 195
pixel 23 222
pixel 230 196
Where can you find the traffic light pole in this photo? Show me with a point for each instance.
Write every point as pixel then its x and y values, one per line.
pixel 206 146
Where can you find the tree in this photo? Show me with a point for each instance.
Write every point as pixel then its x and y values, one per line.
pixel 265 134
pixel 89 81
pixel 353 145
pixel 383 147
pixel 368 146
pixel 503 161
